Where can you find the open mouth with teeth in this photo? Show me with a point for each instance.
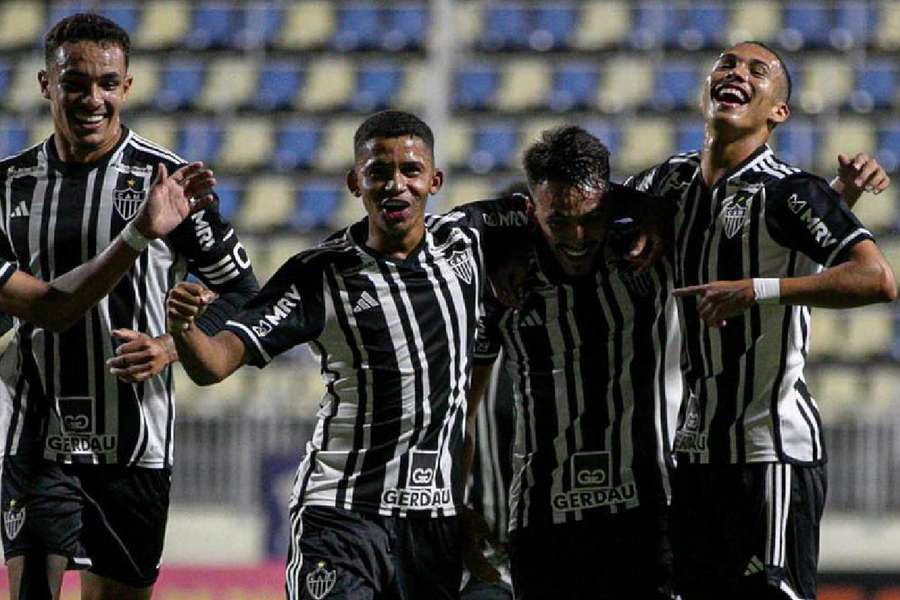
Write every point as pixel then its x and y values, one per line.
pixel 88 121
pixel 396 210
pixel 729 95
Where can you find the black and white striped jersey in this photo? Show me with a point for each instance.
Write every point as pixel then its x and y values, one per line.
pixel 394 339
pixel 747 398
pixel 595 368
pixel 6 271
pixel 55 216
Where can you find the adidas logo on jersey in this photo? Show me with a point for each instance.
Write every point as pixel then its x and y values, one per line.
pixel 531 319
pixel 21 210
pixel 365 302
pixel 754 566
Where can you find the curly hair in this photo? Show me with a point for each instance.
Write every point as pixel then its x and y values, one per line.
pixel 88 27
pixel 567 155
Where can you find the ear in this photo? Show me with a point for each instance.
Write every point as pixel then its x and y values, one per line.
pixel 44 82
pixel 780 113
pixel 126 84
pixel 353 182
pixel 529 210
pixel 437 181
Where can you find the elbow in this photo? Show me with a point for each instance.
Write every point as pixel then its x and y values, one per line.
pixel 887 289
pixel 205 378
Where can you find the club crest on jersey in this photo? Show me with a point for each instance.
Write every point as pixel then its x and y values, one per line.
pixel 127 201
pixel 734 213
pixel 13 520
pixel 461 263
pixel 320 581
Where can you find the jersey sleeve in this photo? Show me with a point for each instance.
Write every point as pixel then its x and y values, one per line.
pixel 216 257
pixel 6 271
pixel 488 341
pixel 804 213
pixel 288 311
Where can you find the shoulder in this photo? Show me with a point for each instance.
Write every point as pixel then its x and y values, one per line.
pixel 139 151
pixel 26 160
pixel 797 187
pixel 508 211
pixel 679 167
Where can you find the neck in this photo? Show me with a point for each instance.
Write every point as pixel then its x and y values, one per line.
pixel 723 152
pixel 79 154
pixel 399 246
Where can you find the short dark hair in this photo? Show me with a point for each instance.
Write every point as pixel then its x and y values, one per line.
pixel 389 124
pixel 789 84
pixel 88 27
pixel 567 155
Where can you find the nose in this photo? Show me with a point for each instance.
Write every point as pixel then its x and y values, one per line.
pixel 396 184
pixel 94 98
pixel 579 232
pixel 739 71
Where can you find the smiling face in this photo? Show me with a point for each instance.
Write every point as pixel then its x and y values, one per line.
pixel 573 222
pixel 746 90
pixel 394 177
pixel 87 84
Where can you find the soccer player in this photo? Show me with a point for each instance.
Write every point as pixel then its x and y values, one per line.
pixel 88 457
pixel 757 242
pixel 593 354
pixel 389 306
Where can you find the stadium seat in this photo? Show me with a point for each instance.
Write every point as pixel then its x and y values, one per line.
pixel 890 247
pixel 848 135
pixel 307 25
pixel 468 23
pixel 358 28
pixel 476 87
pixel 21 23
pixel 228 190
pixel 826 83
pixel 458 144
pixel 524 84
pixel 677 87
pixel 796 142
pixel 889 145
pixel 230 83
pixel 215 26
pixel 467 190
pixel 854 25
pixel 506 27
pixel 145 84
pixel 376 85
pixel 335 153
pixel 649 24
pixel 13 137
pixel 828 334
pixel 689 136
pixel 554 27
pixel 349 210
pixel 877 321
pixel 416 89
pixel 159 129
pixel 59 10
pixel 837 391
pixel 493 147
pixel 879 213
pixel 406 28
pixel 610 135
pixel 754 20
pixel 23 93
pixel 248 143
pixel 884 390
pixel 700 26
pixel 124 14
pixel 200 140
pixel 278 86
pixel 574 86
pixel 626 83
pixel 876 87
pixel 317 203
pixel 806 25
pixel 329 83
pixel 164 24
pixel 259 25
pixel 39 132
pixel 887 30
pixel 182 84
pixel 5 80
pixel 296 145
pixel 268 204
pixel 645 142
pixel 603 24
pixel 530 131
pixel 281 248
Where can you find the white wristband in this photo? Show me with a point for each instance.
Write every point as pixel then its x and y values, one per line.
pixel 134 238
pixel 767 290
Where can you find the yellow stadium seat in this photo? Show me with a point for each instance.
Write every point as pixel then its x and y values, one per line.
pixel 40 130
pixel 887 30
pixel 890 247
pixel 532 130
pixel 349 211
pixel 870 331
pixel 268 202
pixel 416 86
pixel 847 136
pixel 230 82
pixel 329 83
pixel 603 24
pixel 307 25
pixel 248 143
pixel 754 20
pixel 645 143
pixel 838 391
pixel 282 247
pixel 884 390
pixel 466 190
pixel 627 81
pixel 469 23
pixel 21 23
pixel 459 143
pixel 827 83
pixel 336 148
pixel 165 24
pixel 161 130
pixel 524 84
pixel 145 71
pixel 828 333
pixel 255 247
pixel 878 213
pixel 24 91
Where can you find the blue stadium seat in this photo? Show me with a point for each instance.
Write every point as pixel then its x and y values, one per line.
pixel 507 27
pixel 797 142
pixel 215 25
pixel 574 86
pixel 259 25
pixel 493 147
pixel 5 78
pixel 296 145
pixel 317 203
pixel 376 86
pixel 700 26
pixel 406 28
pixel 475 87
pixel 278 86
pixel 677 86
pixel 854 25
pixel 125 15
pixel 554 27
pixel 229 192
pixel 689 136
pixel 182 83
pixel 358 28
pixel 806 25
pixel 200 141
pixel 610 135
pixel 889 146
pixel 61 10
pixel 650 22
pixel 13 137
pixel 876 86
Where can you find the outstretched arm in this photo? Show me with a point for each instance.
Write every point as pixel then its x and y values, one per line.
pixel 60 303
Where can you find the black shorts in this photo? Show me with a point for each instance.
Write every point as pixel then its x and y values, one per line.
pixel 747 531
pixel 623 556
pixel 114 515
pixel 337 553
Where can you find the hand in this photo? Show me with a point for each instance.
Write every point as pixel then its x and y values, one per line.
pixel 173 198
pixel 185 303
pixel 140 357
pixel 859 174
pixel 720 300
pixel 473 531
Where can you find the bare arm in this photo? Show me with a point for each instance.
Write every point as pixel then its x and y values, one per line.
pixel 481 379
